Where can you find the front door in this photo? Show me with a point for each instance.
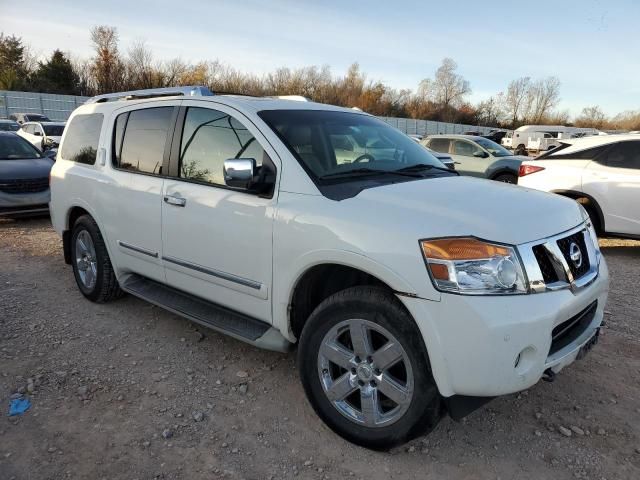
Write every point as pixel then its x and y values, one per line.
pixel 217 242
pixel 464 152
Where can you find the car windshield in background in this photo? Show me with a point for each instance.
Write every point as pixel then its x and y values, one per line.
pixel 9 126
pixel 13 147
pixel 340 146
pixel 493 148
pixel 34 117
pixel 53 130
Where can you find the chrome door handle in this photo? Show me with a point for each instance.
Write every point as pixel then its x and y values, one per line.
pixel 175 201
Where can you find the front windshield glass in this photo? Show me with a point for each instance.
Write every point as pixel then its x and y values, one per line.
pixel 9 126
pixel 341 145
pixel 13 147
pixel 35 117
pixel 493 148
pixel 53 130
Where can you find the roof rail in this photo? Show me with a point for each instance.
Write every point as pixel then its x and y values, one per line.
pixel 295 98
pixel 189 91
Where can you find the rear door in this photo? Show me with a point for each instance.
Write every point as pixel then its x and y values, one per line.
pixel 141 141
pixel 614 181
pixel 217 241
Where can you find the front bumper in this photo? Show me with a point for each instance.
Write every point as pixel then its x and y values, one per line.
pixel 24 203
pixel 495 345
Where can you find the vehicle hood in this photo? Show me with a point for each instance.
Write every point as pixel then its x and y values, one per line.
pixel 21 169
pixel 458 206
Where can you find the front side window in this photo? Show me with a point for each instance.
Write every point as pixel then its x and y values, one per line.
pixel 81 141
pixel 493 148
pixel 210 137
pixel 464 148
pixel 13 147
pixel 140 137
pixel 624 155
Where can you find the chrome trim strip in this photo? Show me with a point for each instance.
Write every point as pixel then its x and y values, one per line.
pixel 215 273
pixel 144 251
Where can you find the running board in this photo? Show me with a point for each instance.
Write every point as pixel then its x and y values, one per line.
pixel 221 319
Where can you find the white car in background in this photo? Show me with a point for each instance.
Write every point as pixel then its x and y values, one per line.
pixel 602 173
pixel 43 135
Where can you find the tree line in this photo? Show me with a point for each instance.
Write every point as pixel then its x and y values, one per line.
pixel 441 97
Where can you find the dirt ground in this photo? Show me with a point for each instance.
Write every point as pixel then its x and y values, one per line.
pixel 128 391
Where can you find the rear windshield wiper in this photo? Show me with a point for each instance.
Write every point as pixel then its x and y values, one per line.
pixel 361 172
pixel 424 166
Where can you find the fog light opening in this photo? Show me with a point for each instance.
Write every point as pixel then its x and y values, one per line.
pixel 525 360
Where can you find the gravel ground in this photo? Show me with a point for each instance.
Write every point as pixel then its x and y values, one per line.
pixel 127 390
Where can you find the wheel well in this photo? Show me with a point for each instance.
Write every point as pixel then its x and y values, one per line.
pixel 319 283
pixel 589 203
pixel 74 214
pixel 504 172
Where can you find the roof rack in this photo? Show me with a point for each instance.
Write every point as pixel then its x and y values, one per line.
pixel 295 98
pixel 189 91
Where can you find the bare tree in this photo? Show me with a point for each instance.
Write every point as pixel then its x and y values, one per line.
pixel 544 95
pixel 449 88
pixel 591 117
pixel 489 112
pixel 108 69
pixel 140 70
pixel 515 99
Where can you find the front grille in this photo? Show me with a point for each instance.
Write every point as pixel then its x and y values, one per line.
pixel 549 274
pixel 31 185
pixel 569 330
pixel 565 243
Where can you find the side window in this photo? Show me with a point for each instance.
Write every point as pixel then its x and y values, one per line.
pixel 460 147
pixel 439 145
pixel 139 139
pixel 28 129
pixel 624 155
pixel 82 138
pixel 210 137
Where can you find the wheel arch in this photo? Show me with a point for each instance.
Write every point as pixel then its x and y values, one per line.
pixel 587 201
pixel 73 213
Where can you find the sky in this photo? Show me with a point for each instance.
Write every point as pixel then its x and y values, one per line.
pixel 590 45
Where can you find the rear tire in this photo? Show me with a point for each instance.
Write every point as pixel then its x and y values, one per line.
pixel 91 264
pixel 365 369
pixel 506 178
pixel 520 150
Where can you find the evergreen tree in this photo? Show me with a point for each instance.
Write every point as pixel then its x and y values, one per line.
pixel 56 76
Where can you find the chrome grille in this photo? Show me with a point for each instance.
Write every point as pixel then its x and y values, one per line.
pixel 565 244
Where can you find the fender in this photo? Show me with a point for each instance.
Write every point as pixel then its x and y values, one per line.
pixel 283 289
pixel 574 194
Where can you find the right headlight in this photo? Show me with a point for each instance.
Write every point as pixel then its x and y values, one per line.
pixel 474 267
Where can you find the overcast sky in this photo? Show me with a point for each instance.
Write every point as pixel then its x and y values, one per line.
pixel 591 45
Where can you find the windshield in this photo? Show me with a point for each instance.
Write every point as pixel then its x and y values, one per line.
pixel 493 148
pixel 13 147
pixel 9 126
pixel 342 146
pixel 35 117
pixel 53 130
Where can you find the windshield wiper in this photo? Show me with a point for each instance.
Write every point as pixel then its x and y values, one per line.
pixel 424 166
pixel 362 172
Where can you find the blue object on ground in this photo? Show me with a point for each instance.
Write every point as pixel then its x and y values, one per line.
pixel 18 406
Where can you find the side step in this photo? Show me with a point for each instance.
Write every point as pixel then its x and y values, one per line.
pixel 221 319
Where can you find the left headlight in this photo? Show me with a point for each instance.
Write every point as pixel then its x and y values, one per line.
pixel 473 267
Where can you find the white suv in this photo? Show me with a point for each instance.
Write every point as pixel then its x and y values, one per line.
pixel 410 291
pixel 602 173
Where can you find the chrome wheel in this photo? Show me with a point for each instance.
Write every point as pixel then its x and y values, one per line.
pixel 86 260
pixel 365 373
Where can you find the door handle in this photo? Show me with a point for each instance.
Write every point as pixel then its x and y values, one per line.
pixel 175 201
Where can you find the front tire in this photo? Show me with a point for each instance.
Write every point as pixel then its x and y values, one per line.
pixel 91 264
pixel 506 178
pixel 365 369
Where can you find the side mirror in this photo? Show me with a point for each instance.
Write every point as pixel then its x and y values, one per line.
pixel 480 154
pixel 239 172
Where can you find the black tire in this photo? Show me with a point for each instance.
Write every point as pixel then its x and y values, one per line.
pixel 594 217
pixel 105 287
pixel 506 178
pixel 382 308
pixel 521 150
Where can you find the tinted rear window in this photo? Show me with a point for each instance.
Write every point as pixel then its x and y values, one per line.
pixel 81 142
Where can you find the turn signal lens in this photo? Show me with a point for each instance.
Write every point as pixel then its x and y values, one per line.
pixel 474 267
pixel 528 169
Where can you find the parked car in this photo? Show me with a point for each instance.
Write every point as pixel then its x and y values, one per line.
pixel 43 135
pixel 602 173
pixel 9 126
pixel 409 290
pixel 477 156
pixel 541 137
pixel 28 117
pixel 495 135
pixel 445 158
pixel 24 177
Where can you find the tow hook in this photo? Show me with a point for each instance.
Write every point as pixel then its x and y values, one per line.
pixel 549 375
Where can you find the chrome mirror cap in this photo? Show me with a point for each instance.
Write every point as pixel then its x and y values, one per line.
pixel 239 172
